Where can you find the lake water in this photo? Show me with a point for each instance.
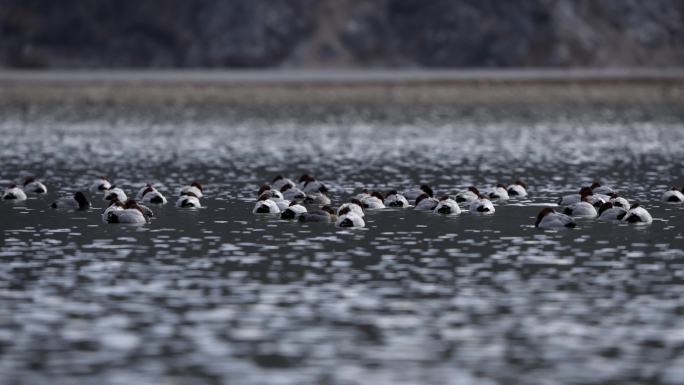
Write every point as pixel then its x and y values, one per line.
pixel 221 296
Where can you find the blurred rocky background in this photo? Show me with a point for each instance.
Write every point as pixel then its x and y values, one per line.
pixel 340 33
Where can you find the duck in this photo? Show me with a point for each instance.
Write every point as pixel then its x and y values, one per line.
pixel 373 201
pixel 193 189
pixel 517 189
pixel 354 205
pixel 14 193
pixel 597 188
pixel 188 201
pixel 150 194
pixel 310 185
pixel 318 196
pixel 100 184
pixel 447 206
pixel 673 195
pixel 266 205
pixel 272 193
pixel 394 199
pixel 412 194
pixel 468 196
pixel 130 213
pixel 115 192
pixel 499 193
pixel 114 205
pixel 33 186
pixel 293 211
pixel 348 218
pixel 362 195
pixel 610 212
pixel 425 202
pixel 481 205
pixel 583 209
pixel 571 199
pixel 291 192
pixel 76 202
pixel 279 182
pixel 618 201
pixel 637 214
pixel 548 218
pixel 325 214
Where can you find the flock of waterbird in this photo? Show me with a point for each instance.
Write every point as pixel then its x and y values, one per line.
pixel 308 200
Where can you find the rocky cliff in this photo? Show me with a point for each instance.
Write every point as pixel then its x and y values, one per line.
pixel 340 33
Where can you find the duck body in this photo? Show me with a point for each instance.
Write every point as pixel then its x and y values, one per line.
pixel 77 202
pixel 115 193
pixel 619 202
pixel 374 201
pixel 517 190
pixel 100 185
pixel 266 206
pixel 673 196
pixel 638 214
pixel 482 205
pixel 349 218
pixel 447 206
pixel 548 218
pixel 326 215
pixel 354 206
pixel 394 199
pixel 129 216
pixel 33 186
pixel 581 209
pixel 467 196
pixel 193 189
pixel 413 194
pixel 317 198
pixel 426 203
pixel 14 193
pixel 293 211
pixel 499 193
pixel 188 201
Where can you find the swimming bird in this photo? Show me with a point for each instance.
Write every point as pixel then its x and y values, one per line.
pixel 310 185
pixel 14 193
pixel 348 218
pixel 325 214
pixel 291 192
pixel 130 212
pixel 115 192
pixel 373 201
pixel 266 205
pixel 114 205
pixel 354 205
pixel 673 195
pixel 293 211
pixel 610 212
pixel 33 186
pixel 582 209
pixel 188 201
pixel 481 205
pixel 517 189
pixel 447 206
pixel 100 184
pixel 468 196
pixel 618 201
pixel 571 199
pixel 637 214
pixel 412 194
pixel 194 189
pixel 76 202
pixel 548 218
pixel 318 196
pixel 279 182
pixel 597 188
pixel 499 192
pixel 150 194
pixel 271 193
pixel 394 199
pixel 425 202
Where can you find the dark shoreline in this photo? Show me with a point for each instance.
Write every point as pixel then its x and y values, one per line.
pixel 345 86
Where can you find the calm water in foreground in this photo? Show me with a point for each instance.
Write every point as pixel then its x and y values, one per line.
pixel 221 296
